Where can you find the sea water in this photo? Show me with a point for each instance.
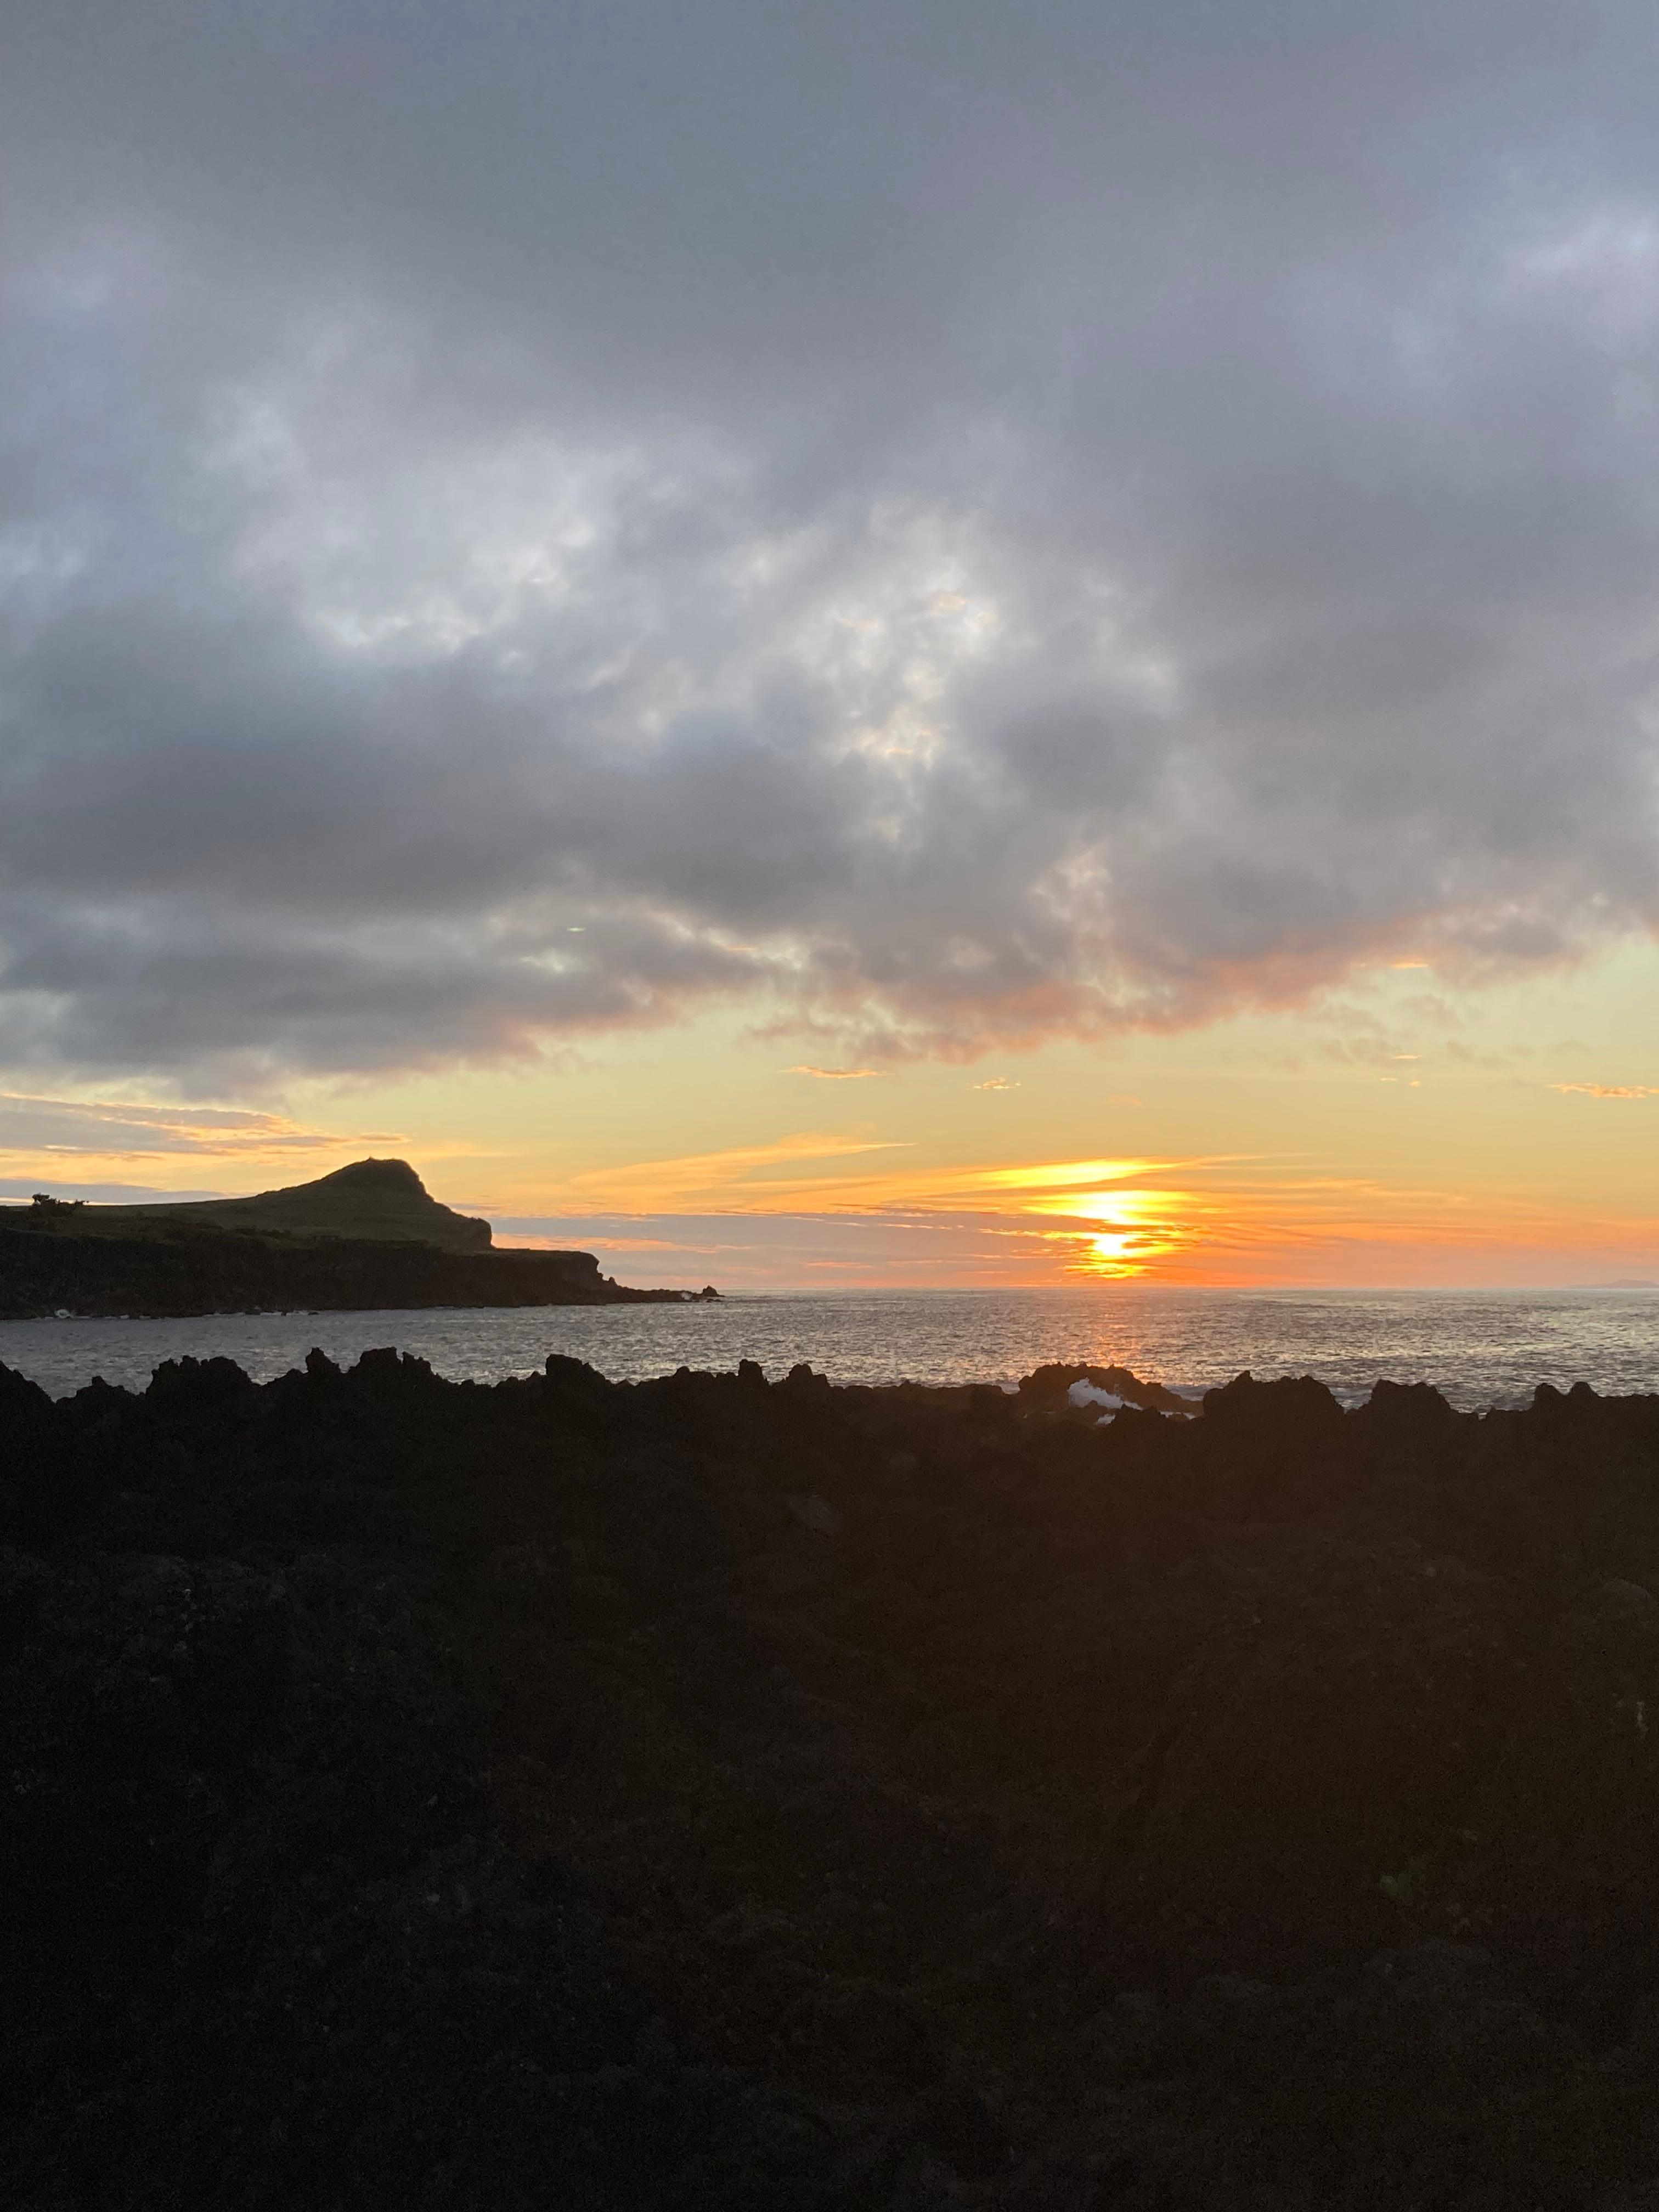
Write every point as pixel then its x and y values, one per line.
pixel 1480 1348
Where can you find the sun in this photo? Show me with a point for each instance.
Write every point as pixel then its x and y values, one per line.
pixel 1117 1251
pixel 1126 1229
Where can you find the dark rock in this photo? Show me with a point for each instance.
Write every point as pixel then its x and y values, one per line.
pixel 450 1786
pixel 801 1380
pixel 815 1514
pixel 1047 1389
pixel 21 1403
pixel 1627 1601
pixel 956 2123
pixel 1403 1408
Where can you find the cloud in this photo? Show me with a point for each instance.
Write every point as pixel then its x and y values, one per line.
pixel 834 1074
pixel 532 1239
pixel 951 531
pixel 75 1129
pixel 825 1171
pixel 1610 1089
pixel 739 1176
pixel 994 1082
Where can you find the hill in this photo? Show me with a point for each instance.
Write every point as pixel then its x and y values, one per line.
pixel 369 1236
pixel 372 1202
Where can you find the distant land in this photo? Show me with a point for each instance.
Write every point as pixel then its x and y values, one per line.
pixel 368 1235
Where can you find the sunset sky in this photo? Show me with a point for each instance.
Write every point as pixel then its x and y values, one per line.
pixel 823 645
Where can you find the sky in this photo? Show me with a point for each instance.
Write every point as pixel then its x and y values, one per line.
pixel 834 644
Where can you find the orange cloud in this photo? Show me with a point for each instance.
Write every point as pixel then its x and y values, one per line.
pixel 742 1178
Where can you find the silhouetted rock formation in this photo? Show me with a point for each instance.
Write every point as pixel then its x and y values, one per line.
pixel 370 1201
pixel 365 1237
pixel 1056 1387
pixel 710 1792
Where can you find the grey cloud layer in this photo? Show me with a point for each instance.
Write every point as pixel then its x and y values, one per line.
pixel 113 1129
pixel 959 525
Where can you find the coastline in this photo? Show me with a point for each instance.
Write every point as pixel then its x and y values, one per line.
pixel 205 1274
pixel 1478 1351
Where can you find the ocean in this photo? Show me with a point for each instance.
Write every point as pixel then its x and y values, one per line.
pixel 1479 1348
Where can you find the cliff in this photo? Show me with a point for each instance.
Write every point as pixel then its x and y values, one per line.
pixel 365 1237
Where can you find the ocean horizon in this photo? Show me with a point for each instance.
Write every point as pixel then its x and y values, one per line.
pixel 1479 1347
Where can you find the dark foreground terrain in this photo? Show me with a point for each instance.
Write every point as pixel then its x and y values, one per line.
pixel 709 1794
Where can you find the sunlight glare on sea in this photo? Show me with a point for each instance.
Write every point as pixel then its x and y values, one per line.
pixel 1491 1347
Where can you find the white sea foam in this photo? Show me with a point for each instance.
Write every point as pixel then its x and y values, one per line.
pixel 1085 1393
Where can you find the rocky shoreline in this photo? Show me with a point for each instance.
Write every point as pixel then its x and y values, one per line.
pixel 367 1238
pixel 719 1793
pixel 222 1272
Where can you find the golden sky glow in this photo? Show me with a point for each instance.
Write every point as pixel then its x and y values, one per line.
pixel 1387 1136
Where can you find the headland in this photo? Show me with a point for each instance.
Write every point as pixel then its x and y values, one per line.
pixel 367 1236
